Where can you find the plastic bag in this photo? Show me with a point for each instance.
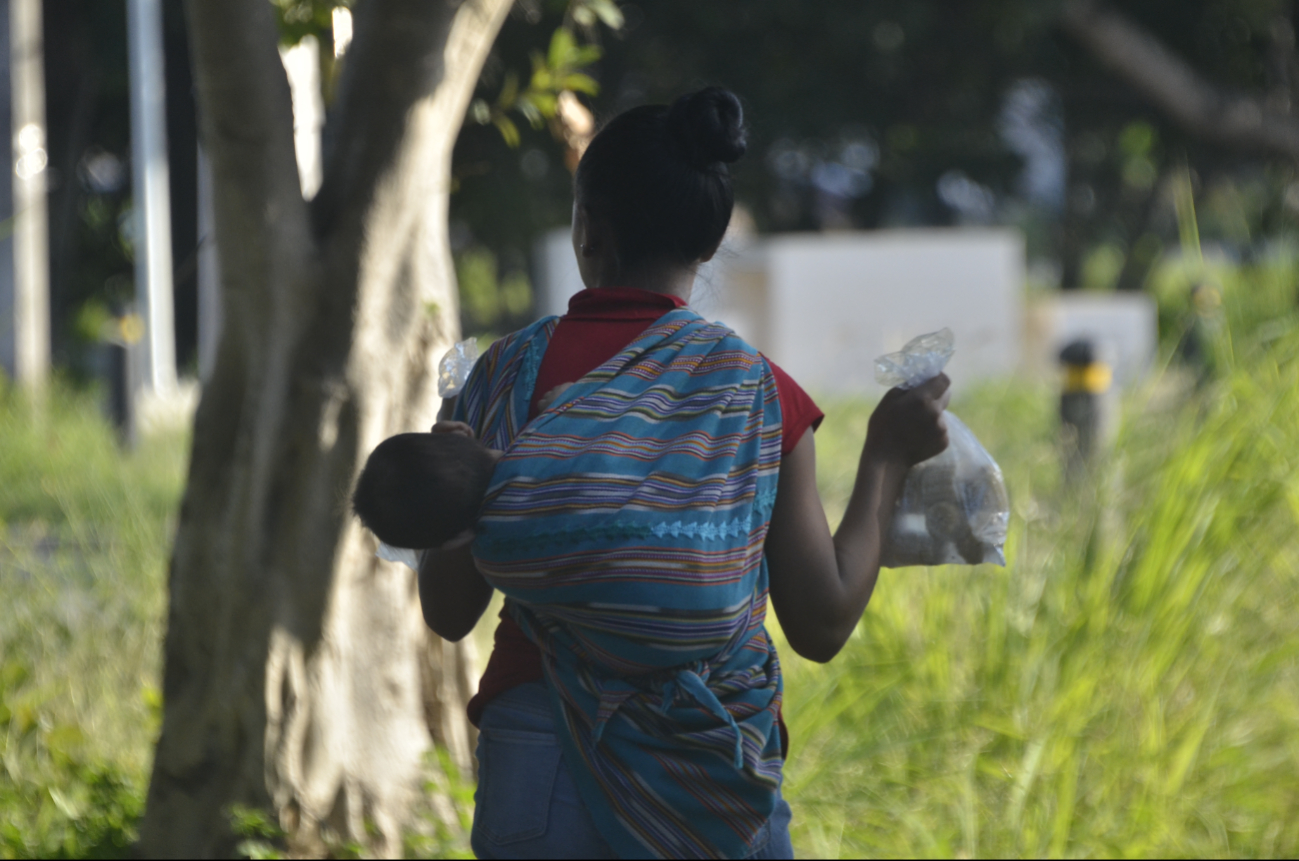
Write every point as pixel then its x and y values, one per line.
pixel 953 509
pixel 455 366
pixel 404 555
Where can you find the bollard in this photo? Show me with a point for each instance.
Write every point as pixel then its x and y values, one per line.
pixel 1082 402
pixel 123 339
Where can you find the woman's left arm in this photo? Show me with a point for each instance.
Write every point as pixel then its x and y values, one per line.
pixel 452 592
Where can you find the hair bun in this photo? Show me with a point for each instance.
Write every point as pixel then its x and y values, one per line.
pixel 708 127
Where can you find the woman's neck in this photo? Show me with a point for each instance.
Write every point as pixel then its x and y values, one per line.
pixel 673 280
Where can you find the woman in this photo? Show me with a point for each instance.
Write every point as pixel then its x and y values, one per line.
pixel 632 704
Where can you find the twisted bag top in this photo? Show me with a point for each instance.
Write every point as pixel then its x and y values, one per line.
pixel 625 526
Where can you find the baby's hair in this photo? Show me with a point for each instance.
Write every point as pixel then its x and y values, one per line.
pixel 420 490
pixel 658 174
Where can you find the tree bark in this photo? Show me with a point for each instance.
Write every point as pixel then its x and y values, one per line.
pixel 298 673
pixel 1236 119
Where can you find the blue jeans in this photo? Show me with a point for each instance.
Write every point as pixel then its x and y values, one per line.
pixel 527 804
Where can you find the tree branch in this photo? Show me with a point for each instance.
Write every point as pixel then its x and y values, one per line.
pixel 1228 117
pixel 246 116
pixel 404 52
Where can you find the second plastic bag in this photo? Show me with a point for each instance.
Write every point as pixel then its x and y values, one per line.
pixel 953 509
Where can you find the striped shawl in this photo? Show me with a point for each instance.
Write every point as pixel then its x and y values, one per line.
pixel 625 526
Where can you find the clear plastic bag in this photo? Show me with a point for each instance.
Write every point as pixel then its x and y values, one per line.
pixel 404 555
pixel 953 509
pixel 455 366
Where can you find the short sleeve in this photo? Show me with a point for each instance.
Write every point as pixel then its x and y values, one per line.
pixel 797 409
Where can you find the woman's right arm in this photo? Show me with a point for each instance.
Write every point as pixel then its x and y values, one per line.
pixel 452 591
pixel 820 584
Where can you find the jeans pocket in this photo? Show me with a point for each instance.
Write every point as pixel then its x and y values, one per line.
pixel 516 779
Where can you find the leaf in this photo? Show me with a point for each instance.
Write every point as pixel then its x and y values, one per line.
pixel 608 12
pixel 580 83
pixel 562 49
pixel 528 107
pixel 585 56
pixel 545 106
pixel 480 112
pixel 67 806
pixel 509 92
pixel 509 131
pixel 64 738
pixel 542 80
pixel 13 675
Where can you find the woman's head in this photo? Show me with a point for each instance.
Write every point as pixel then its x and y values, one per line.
pixel 655 179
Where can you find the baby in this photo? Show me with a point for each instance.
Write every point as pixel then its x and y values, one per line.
pixel 422 490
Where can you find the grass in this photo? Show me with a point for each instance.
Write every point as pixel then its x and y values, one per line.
pixel 1127 685
pixel 84 538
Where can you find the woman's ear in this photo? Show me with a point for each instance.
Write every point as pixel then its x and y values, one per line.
pixel 591 236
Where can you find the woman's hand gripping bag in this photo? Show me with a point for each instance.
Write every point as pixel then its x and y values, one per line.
pixel 953 509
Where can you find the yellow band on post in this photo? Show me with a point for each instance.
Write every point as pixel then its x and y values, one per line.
pixel 131 328
pixel 1093 379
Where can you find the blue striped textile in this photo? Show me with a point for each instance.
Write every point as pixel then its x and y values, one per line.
pixel 625 526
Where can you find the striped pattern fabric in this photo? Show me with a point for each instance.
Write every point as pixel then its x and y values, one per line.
pixel 625 526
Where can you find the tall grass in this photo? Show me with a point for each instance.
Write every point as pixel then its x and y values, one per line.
pixel 84 537
pixel 1128 685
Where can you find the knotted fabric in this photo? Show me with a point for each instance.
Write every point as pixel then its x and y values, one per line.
pixel 625 526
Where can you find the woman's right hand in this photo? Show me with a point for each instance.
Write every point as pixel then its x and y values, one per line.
pixel 907 426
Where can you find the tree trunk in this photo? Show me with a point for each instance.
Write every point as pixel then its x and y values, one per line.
pixel 298 673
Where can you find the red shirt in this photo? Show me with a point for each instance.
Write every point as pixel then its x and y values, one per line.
pixel 599 325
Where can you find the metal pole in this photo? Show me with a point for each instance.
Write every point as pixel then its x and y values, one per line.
pixel 31 227
pixel 152 240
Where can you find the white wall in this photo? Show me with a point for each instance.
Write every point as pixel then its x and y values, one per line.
pixel 824 306
pixel 555 275
pixel 834 302
pixel 1123 327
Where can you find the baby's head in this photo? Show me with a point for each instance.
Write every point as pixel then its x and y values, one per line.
pixel 420 490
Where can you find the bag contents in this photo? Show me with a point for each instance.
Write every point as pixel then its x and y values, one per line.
pixel 455 366
pixel 953 509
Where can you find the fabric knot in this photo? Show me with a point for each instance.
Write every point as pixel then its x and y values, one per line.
pixel 611 699
pixel 690 682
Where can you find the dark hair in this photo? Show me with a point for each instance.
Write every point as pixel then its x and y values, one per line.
pixel 420 490
pixel 658 175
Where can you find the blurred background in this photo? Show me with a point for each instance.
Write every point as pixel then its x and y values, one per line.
pixel 1101 202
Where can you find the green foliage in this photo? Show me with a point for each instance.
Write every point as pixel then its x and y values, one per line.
pixel 442 827
pixel 908 92
pixel 490 302
pixel 84 537
pixel 1128 684
pixel 298 19
pixel 587 12
pixel 557 70
pixel 262 837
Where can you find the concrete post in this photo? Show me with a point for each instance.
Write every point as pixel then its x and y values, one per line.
pixel 1082 403
pixel 152 240
pixel 31 301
